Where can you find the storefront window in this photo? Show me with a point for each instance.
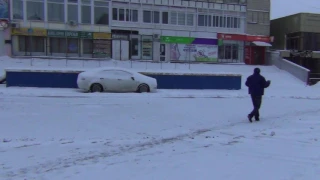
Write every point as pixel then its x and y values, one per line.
pixel 73 45
pixel 101 48
pixel 31 44
pixel 147 47
pixel 87 47
pixel 58 45
pixel 229 53
pixel 35 10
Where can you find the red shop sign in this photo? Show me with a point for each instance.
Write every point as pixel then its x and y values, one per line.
pixel 259 38
pixel 236 37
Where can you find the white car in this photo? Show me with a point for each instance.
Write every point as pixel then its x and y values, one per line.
pixel 112 79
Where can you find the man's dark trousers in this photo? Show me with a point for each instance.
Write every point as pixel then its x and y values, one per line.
pixel 256 101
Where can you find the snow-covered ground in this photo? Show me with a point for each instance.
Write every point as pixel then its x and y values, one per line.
pixel 172 134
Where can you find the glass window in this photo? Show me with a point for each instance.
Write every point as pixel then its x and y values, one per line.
pixel 181 18
pixel 209 20
pixel 121 14
pixel 114 14
pixel 147 16
pixel 87 46
pixel 228 22
pixel 134 15
pixel 128 15
pixel 221 52
pixel 73 12
pixel 190 20
pixel 147 47
pixel 58 45
pixel 235 51
pixel 165 17
pixel 173 18
pixel 85 14
pixel 227 51
pixel 236 22
pixel 101 13
pixel 72 45
pixel 31 44
pixel 35 10
pixel 17 9
pixel 156 17
pixel 201 20
pixel 214 21
pixel 56 10
pixel 217 21
pixel 222 21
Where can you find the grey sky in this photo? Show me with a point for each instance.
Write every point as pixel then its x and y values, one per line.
pixel 280 8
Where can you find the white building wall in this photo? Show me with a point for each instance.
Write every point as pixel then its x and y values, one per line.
pixel 179 6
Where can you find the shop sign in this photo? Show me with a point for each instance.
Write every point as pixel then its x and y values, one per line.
pixel 235 37
pixel 56 33
pixel 60 33
pixel 258 38
pixel 85 35
pixel 120 36
pixel 188 40
pixel 176 39
pixel 101 35
pixel 29 31
pixel 72 34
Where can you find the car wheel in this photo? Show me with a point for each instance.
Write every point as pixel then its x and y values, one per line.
pixel 96 87
pixel 143 88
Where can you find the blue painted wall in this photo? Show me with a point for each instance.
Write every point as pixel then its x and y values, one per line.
pixel 197 82
pixel 165 81
pixel 42 79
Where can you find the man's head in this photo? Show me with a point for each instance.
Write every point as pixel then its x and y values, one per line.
pixel 256 71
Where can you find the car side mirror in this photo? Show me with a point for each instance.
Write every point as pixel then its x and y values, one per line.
pixel 132 78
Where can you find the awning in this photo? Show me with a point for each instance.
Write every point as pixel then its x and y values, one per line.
pixel 260 43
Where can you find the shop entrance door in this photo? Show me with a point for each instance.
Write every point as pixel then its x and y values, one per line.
pixel 135 47
pixel 255 55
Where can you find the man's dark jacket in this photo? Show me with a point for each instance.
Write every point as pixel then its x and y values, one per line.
pixel 257 83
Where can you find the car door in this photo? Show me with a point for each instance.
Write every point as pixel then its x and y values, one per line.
pixel 127 81
pixel 109 80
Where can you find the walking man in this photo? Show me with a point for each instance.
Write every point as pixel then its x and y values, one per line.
pixel 256 84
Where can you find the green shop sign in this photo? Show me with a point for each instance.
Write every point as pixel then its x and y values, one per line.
pixel 70 34
pixel 56 33
pixel 85 35
pixel 176 39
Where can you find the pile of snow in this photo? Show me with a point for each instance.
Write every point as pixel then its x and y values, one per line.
pixel 2 75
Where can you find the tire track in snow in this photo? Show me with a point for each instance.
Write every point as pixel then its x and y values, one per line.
pixel 91 158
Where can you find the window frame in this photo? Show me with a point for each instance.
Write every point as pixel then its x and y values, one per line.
pixel 43 14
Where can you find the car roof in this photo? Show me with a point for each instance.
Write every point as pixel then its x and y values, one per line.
pixel 112 68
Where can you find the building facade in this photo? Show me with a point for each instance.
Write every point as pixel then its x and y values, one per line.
pixel 159 30
pixel 297 32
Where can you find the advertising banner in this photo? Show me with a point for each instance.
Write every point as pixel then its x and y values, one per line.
pixel 188 40
pixel 193 52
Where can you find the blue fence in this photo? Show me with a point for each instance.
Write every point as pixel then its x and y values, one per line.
pixel 68 79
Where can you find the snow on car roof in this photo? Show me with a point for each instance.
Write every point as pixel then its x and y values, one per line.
pixel 111 68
